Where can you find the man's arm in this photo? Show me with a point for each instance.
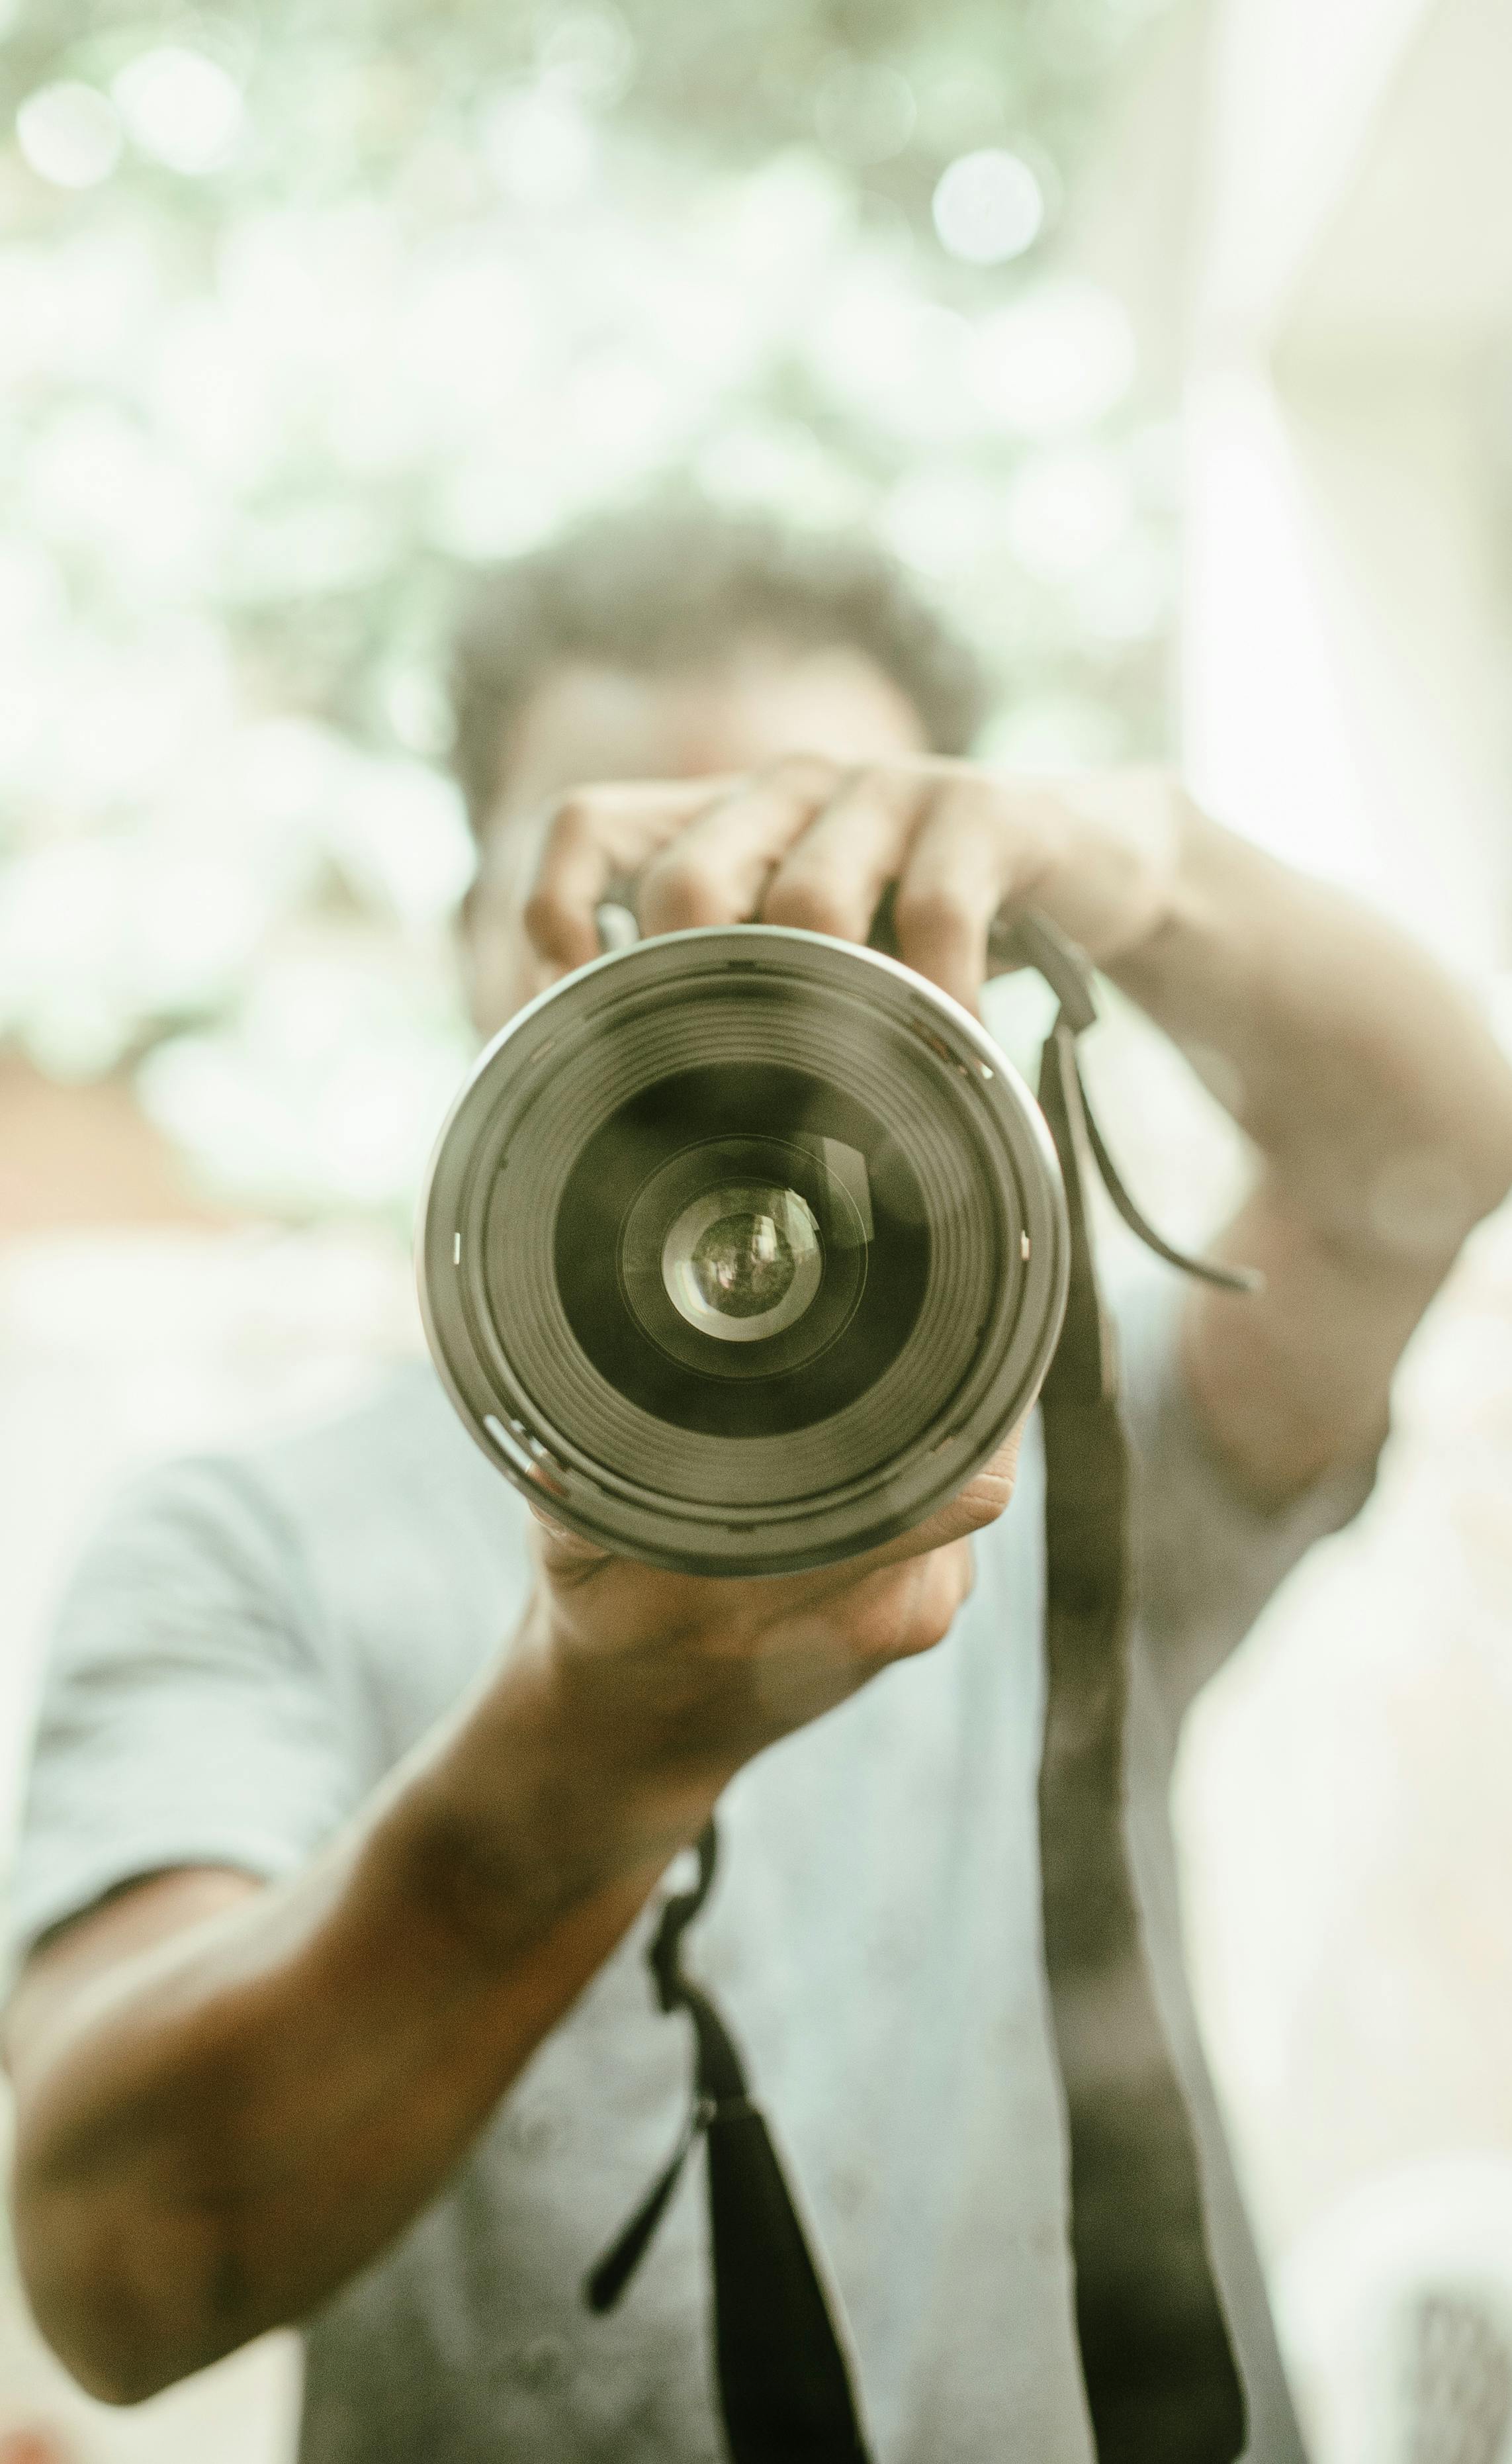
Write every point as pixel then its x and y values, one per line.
pixel 1381 1109
pixel 230 2097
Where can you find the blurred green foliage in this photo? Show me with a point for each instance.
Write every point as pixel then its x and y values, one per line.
pixel 350 94
pixel 305 312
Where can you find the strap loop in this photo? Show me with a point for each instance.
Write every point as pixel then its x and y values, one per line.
pixel 1032 940
pixel 784 2382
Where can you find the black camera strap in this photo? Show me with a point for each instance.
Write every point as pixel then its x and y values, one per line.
pixel 785 2385
pixel 1162 2386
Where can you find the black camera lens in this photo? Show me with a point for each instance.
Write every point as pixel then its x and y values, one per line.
pixel 644 1193
pixel 745 1246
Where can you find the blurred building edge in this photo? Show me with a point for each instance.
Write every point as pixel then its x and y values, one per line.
pixel 138 1320
pixel 83 1155
pixel 1397 2306
pixel 1308 216
pixel 1352 327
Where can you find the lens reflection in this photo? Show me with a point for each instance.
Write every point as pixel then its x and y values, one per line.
pixel 743 1262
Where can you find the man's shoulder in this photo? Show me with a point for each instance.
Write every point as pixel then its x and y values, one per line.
pixel 390 1449
pixel 328 1505
pixel 393 1480
pixel 400 1431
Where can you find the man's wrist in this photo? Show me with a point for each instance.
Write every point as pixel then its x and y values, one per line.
pixel 546 1794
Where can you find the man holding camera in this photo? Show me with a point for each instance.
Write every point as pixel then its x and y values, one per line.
pixel 355 1791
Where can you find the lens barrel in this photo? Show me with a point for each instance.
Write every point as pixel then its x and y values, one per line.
pixel 742 1249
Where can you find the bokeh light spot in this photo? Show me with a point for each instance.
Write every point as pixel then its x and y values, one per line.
pixel 182 108
pixel 68 134
pixel 989 207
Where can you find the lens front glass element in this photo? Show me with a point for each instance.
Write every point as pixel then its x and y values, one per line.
pixel 743 1262
pixel 741 1248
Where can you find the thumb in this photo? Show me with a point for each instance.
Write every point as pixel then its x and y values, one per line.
pixel 563 1552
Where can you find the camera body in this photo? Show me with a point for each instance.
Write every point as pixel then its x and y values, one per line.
pixel 742 1249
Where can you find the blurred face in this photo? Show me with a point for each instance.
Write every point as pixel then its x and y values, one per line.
pixel 588 724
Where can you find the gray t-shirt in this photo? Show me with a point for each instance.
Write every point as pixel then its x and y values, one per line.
pixel 252 1643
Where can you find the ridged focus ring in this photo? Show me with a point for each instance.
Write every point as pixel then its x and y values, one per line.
pixel 898 1055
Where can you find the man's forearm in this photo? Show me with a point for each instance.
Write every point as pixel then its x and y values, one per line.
pixel 1382 1110
pixel 213 2133
pixel 236 2119
pixel 1373 1088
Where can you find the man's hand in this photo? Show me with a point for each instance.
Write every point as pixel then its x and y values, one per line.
pixel 810 844
pixel 685 1671
pixel 638 1694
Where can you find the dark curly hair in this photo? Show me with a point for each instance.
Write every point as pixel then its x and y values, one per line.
pixel 666 586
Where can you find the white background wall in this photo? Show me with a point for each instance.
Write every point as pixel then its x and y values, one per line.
pixel 1345 1812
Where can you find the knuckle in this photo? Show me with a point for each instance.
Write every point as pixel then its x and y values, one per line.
pixel 816 774
pixel 913 1612
pixel 872 1622
pixel 685 892
pixel 809 905
pixel 984 1498
pixel 934 1607
pixel 569 819
pixel 928 1629
pixel 547 920
pixel 932 913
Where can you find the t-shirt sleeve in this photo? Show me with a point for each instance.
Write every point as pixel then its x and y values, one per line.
pixel 186 1718
pixel 1208 1558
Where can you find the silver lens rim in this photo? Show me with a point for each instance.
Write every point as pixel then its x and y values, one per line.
pixel 515 1431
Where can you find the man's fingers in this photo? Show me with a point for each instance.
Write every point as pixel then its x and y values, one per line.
pixel 832 877
pixel 973 1508
pixel 807 843
pixel 940 1586
pixel 977 1505
pixel 573 873
pixel 591 842
pixel 972 854
pixel 564 1557
pixel 714 870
